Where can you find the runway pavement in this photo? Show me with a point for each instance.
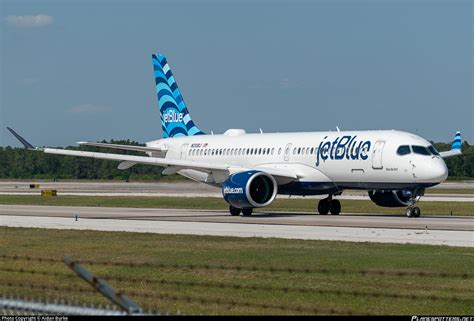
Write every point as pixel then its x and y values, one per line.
pixel 452 231
pixel 184 189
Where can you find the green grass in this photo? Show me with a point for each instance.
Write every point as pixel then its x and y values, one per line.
pixel 282 204
pixel 342 277
pixel 450 191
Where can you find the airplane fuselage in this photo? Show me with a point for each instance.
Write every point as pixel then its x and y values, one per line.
pixel 326 161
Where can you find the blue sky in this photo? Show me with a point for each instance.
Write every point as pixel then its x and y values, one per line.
pixel 82 70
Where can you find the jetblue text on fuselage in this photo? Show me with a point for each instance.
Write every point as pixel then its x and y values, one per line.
pixel 172 116
pixel 345 147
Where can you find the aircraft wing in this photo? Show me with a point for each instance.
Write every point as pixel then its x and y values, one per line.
pixel 163 162
pixel 124 147
pixel 455 147
pixel 450 153
pixel 130 160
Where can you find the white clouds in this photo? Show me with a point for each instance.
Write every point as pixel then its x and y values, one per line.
pixel 88 108
pixel 37 21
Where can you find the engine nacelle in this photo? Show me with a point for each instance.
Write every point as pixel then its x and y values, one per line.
pixel 400 198
pixel 249 189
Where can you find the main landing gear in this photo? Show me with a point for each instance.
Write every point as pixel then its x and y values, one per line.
pixel 413 211
pixel 234 211
pixel 328 205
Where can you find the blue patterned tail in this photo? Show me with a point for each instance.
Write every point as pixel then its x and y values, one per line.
pixel 457 141
pixel 175 118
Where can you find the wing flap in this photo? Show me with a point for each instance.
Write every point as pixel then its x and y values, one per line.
pixel 124 147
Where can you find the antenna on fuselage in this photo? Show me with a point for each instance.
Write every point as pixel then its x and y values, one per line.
pixel 337 127
pixel 261 131
pixel 212 133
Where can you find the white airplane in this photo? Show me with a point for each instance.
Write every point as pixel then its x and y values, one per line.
pixel 394 167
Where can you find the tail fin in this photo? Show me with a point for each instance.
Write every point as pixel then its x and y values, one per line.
pixel 175 118
pixel 457 142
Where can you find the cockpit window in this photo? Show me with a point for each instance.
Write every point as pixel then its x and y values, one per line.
pixel 420 150
pixel 403 150
pixel 433 150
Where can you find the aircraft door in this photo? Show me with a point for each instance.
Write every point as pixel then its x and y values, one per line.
pixel 287 152
pixel 184 149
pixel 377 155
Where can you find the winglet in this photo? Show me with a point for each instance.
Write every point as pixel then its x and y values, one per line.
pixel 457 141
pixel 21 139
pixel 455 147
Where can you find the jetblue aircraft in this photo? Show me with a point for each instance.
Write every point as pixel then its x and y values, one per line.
pixel 394 167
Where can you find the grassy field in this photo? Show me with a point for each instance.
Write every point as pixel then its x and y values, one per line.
pixel 450 191
pixel 225 275
pixel 282 204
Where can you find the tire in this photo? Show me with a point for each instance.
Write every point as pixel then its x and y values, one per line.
pixel 323 206
pixel 409 212
pixel 234 211
pixel 416 212
pixel 335 207
pixel 247 211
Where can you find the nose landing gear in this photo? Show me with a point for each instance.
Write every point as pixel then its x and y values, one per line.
pixel 412 210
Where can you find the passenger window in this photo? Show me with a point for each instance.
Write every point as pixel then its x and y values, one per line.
pixel 420 150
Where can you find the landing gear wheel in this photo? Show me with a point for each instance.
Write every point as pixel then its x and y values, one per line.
pixel 335 207
pixel 247 211
pixel 324 206
pixel 416 212
pixel 234 211
pixel 409 212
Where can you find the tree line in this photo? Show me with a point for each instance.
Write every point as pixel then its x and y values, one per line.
pixel 20 163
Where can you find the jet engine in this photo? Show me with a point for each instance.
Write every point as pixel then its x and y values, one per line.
pixel 249 189
pixel 398 198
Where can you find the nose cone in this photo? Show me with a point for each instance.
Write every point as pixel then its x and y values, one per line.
pixel 439 171
pixel 432 170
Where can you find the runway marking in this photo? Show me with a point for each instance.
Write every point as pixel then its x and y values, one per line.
pixel 353 234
